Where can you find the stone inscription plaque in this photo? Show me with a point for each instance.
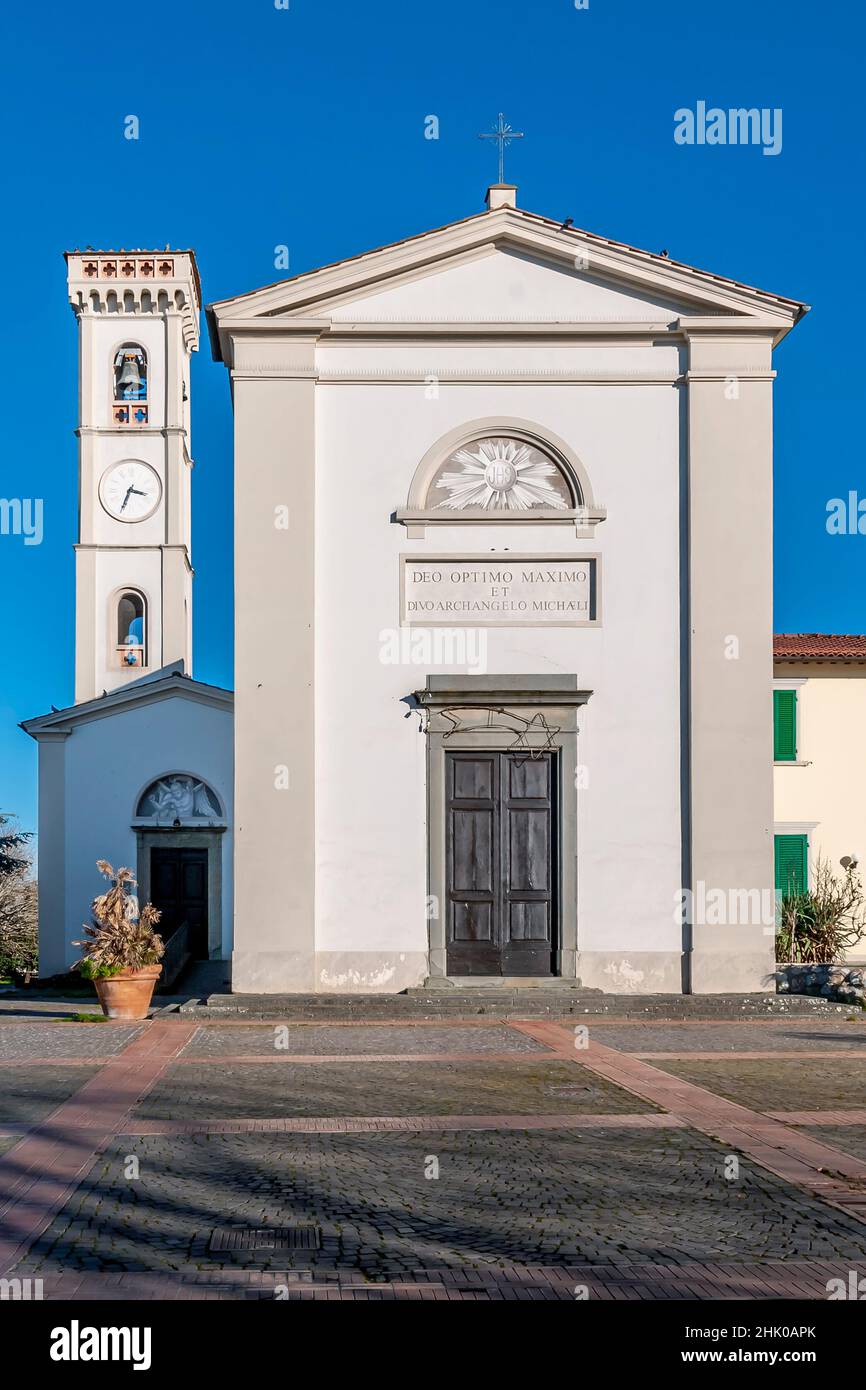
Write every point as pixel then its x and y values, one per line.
pixel 507 590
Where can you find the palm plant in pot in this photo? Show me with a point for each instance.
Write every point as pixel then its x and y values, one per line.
pixel 121 950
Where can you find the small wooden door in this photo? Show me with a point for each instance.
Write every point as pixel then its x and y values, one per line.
pixel 178 887
pixel 501 863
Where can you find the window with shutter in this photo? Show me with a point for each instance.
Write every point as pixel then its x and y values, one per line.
pixel 784 726
pixel 791 855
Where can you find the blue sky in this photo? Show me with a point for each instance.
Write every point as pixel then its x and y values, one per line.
pixel 305 127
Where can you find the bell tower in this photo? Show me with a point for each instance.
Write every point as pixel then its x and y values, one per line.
pixel 138 324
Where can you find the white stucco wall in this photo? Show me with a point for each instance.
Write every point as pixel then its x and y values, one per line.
pixel 108 762
pixel 371 871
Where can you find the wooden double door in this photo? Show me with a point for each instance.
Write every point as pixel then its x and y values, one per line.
pixel 179 888
pixel 501 863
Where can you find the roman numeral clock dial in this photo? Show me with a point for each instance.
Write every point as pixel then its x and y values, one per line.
pixel 130 491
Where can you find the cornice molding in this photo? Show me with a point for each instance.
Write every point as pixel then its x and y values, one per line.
pixel 503 229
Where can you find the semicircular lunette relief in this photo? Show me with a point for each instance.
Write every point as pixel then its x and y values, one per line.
pixel 499 473
pixel 179 798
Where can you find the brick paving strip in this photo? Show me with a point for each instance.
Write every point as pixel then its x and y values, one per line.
pixel 826 1172
pixel 772 1279
pixel 768 1055
pixel 354 1124
pixel 818 1117
pixel 510 1058
pixel 39 1174
pixel 199 1060
pixel 86 1061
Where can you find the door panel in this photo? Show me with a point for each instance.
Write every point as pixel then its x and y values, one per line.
pixel 529 921
pixel 529 850
pixel 501 863
pixel 473 851
pixel 179 888
pixel 473 921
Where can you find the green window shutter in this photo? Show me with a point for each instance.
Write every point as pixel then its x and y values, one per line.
pixel 784 726
pixel 791 853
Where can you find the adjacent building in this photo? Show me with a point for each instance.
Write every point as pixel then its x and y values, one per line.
pixel 819 706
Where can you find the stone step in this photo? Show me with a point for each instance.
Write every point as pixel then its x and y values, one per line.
pixel 455 1003
pixel 494 985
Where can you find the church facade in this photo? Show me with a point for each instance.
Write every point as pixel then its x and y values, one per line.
pixel 503 588
pixel 503 499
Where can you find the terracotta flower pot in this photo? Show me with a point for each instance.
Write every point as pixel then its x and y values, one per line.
pixel 128 994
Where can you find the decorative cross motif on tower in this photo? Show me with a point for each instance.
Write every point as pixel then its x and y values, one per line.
pixel 503 133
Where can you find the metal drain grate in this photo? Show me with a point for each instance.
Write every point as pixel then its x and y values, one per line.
pixel 244 1239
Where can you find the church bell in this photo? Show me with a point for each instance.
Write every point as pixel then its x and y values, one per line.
pixel 130 383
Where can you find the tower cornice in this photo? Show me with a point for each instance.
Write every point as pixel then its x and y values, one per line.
pixel 135 283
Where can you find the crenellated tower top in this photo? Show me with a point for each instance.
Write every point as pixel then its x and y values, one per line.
pixel 137 282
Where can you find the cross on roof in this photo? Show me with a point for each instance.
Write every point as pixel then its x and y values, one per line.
pixel 503 133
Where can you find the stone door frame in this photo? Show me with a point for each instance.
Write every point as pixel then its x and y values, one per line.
pixel 179 837
pixel 558 699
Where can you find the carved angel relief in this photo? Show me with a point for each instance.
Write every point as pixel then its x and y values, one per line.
pixel 179 798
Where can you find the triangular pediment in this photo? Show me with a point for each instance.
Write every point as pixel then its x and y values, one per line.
pixel 504 284
pixel 506 265
pixel 169 683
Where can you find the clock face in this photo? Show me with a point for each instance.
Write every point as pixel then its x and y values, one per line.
pixel 130 491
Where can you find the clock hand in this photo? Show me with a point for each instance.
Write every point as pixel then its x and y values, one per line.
pixel 126 498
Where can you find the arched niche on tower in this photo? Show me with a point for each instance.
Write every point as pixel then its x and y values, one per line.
pixel 128 628
pixel 129 384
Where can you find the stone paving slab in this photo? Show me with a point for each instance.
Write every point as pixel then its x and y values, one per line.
pixel 606 1198
pixel 30 1094
pixel 779 1084
pixel 64 1040
pixel 189 1092
pixel 800 1035
pixel 394 1039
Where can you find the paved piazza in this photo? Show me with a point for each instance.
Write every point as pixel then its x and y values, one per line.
pixel 466 1159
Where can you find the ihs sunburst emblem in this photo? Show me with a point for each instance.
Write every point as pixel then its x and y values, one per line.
pixel 502 475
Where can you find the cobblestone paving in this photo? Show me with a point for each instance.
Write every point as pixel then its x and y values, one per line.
pixel 607 1197
pixel 310 1040
pixel 249 1090
pixel 32 1093
pixel 22 1040
pixel 794 1035
pixel 552 1198
pixel 851 1139
pixel 774 1084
